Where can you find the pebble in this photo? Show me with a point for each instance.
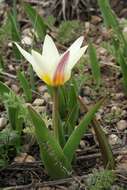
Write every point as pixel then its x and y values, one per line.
pixel 38 102
pixel 119 95
pixel 87 90
pixel 82 144
pixel 3 122
pixel 15 88
pixel 26 40
pixel 46 96
pixel 42 88
pixel 102 51
pixel 95 19
pixel 113 139
pixel 122 125
pixel 40 109
pixel 24 157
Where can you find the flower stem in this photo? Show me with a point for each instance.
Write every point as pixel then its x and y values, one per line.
pixel 55 113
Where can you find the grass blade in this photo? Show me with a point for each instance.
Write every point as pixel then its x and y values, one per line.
pixel 52 155
pixel 94 64
pixel 74 140
pixel 25 86
pixel 106 152
pixel 37 21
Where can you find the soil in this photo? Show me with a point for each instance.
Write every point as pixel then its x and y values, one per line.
pixel 32 175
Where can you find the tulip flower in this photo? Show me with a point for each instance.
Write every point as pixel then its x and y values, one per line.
pixel 51 67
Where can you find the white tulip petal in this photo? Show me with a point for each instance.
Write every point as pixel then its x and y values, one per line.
pixel 76 45
pixel 31 60
pixel 75 57
pixel 52 68
pixel 58 78
pixel 49 50
pixel 43 64
pixel 27 55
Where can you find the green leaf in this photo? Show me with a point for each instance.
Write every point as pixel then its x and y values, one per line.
pixel 110 19
pixel 62 102
pixel 15 33
pixel 107 155
pixel 71 120
pixel 13 106
pixel 72 96
pixel 25 86
pixel 74 140
pixel 1 63
pixel 72 107
pixel 37 21
pixel 94 64
pixel 51 153
pixel 4 89
pixel 14 28
pixel 123 66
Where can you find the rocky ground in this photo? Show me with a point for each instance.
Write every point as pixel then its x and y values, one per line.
pixel 24 170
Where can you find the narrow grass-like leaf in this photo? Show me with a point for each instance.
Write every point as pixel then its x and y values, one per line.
pixel 112 22
pixel 74 140
pixel 1 62
pixel 62 102
pixel 37 21
pixel 15 33
pixel 123 66
pixel 25 86
pixel 14 27
pixel 13 106
pixel 4 89
pixel 73 108
pixel 110 19
pixel 51 153
pixel 71 120
pixel 72 96
pixel 94 64
pixel 107 155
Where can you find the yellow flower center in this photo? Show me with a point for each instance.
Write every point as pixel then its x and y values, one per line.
pixel 46 78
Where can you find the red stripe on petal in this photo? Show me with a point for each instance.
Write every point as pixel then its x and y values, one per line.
pixel 58 78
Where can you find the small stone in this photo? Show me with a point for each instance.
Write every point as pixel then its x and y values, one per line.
pixel 46 96
pixel 82 144
pixel 87 27
pixel 38 102
pixel 119 95
pixel 102 51
pixel 114 108
pixel 125 29
pixel 98 116
pixel 124 113
pixel 10 44
pixel 15 88
pixel 26 40
pixel 113 139
pixel 40 109
pixel 42 88
pixel 122 125
pixel 87 90
pixel 45 188
pixel 3 122
pixel 95 19
pixel 24 157
pixel 85 99
pixel 11 67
